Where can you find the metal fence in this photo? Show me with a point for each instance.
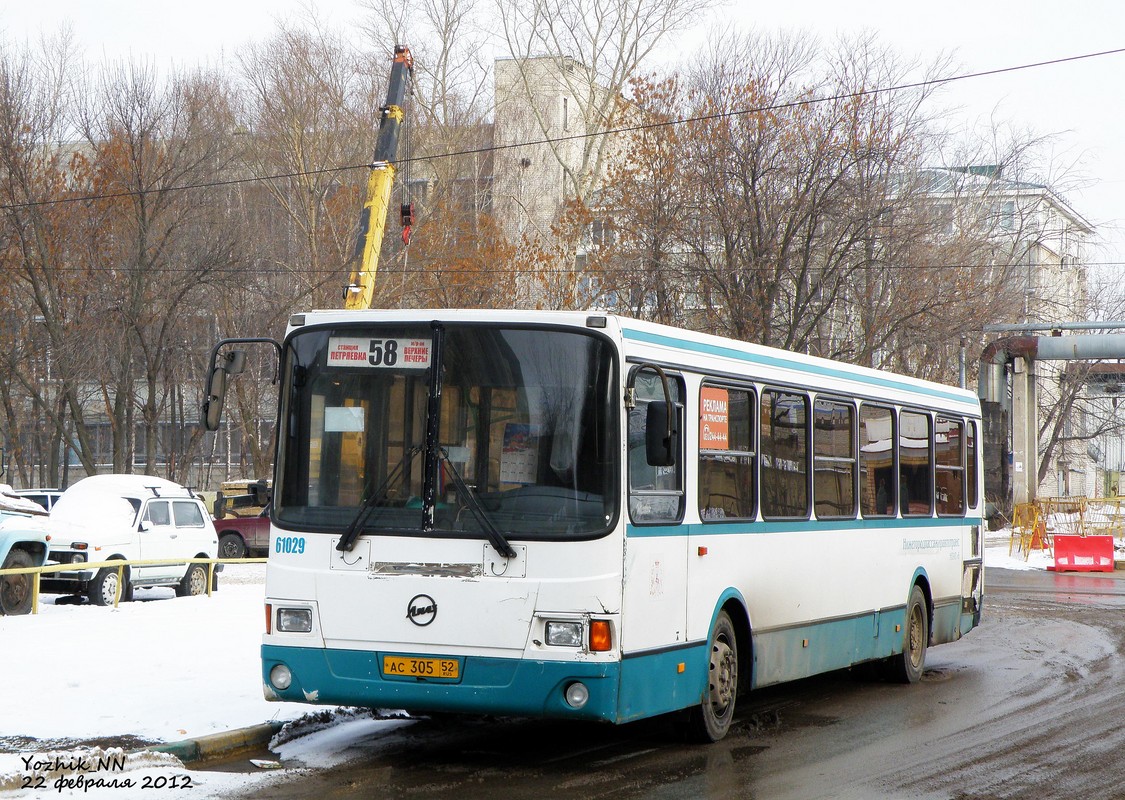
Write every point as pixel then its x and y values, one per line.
pixel 120 566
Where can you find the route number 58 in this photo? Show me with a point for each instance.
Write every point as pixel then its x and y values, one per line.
pixel 383 353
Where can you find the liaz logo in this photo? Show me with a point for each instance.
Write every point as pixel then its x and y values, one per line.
pixel 421 610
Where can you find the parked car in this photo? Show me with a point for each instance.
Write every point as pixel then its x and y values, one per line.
pixel 23 544
pixel 242 517
pixel 43 497
pixel 132 518
pixel 244 536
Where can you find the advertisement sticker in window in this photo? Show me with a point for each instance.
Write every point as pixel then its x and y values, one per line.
pixel 714 419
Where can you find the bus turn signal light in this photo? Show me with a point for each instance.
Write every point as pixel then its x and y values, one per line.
pixel 599 635
pixel 269 618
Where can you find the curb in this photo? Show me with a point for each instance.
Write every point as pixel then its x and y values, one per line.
pixel 218 744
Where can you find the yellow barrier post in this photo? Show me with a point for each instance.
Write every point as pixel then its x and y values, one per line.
pixel 120 566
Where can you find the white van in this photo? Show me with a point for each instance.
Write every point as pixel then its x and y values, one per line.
pixel 134 518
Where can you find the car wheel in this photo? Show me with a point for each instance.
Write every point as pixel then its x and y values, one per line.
pixel 15 590
pixel 103 588
pixel 231 546
pixel 194 581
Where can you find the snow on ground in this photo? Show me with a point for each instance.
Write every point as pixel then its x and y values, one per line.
pixel 166 668
pixel 996 554
pixel 159 669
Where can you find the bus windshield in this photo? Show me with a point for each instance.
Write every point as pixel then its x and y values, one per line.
pixel 522 435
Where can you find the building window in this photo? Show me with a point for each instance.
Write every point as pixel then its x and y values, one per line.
pixel 602 233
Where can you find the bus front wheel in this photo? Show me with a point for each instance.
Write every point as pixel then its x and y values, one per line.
pixel 710 720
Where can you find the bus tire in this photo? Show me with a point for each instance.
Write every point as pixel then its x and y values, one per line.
pixel 710 720
pixel 907 667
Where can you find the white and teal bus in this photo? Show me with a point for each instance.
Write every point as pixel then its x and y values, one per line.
pixel 584 516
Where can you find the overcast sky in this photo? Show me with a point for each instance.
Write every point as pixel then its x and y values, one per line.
pixel 1079 101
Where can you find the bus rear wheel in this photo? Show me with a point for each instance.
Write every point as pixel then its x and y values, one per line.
pixel 710 720
pixel 907 667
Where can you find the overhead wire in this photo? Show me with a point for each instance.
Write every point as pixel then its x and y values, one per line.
pixel 229 182
pixel 648 270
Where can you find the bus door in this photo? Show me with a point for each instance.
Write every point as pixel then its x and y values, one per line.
pixel 655 601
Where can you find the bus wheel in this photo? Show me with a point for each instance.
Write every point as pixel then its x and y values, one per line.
pixel 907 667
pixel 710 720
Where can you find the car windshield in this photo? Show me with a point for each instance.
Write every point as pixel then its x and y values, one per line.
pixel 523 426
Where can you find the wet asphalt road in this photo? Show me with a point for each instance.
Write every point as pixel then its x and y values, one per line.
pixel 1029 705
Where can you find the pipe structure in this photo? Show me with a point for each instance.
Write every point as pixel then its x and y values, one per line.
pixel 1022 352
pixel 991 384
pixel 996 355
pixel 1059 326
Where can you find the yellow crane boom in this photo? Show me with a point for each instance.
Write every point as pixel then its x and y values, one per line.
pixel 373 219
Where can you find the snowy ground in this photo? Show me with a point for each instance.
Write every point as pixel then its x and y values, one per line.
pixel 165 668
pixel 160 669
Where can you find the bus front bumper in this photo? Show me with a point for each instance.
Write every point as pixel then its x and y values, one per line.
pixel 519 687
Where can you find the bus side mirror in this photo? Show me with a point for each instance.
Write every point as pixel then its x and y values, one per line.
pixel 233 363
pixel 662 439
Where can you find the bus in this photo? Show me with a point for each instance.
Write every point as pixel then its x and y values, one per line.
pixel 579 515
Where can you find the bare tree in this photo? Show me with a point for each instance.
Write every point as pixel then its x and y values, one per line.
pixel 310 109
pixel 45 289
pixel 157 243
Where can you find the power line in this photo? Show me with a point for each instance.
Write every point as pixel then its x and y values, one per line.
pixel 573 137
pixel 429 266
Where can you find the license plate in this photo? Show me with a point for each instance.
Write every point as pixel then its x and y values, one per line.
pixel 411 667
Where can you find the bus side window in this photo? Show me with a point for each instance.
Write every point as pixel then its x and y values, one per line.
pixel 971 461
pixel 726 453
pixel 656 492
pixel 834 468
pixel 949 475
pixel 784 418
pixel 876 461
pixel 915 449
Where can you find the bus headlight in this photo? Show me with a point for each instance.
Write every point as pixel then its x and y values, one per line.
pixel 281 677
pixel 576 695
pixel 564 634
pixel 294 620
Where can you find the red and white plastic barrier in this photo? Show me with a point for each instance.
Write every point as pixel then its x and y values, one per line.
pixel 1083 553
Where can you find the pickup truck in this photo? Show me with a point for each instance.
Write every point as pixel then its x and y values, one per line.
pixel 23 544
pixel 240 537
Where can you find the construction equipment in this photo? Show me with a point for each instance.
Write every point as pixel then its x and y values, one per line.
pixel 373 219
pixel 1028 529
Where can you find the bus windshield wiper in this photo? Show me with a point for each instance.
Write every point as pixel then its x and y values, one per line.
pixel 468 496
pixel 347 541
